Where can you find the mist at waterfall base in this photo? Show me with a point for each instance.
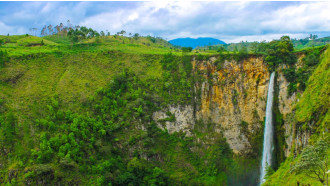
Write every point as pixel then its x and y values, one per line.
pixel 268 144
pixel 246 173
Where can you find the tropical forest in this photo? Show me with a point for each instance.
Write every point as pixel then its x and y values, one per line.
pixel 144 93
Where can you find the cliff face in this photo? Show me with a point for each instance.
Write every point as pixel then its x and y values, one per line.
pixel 235 99
pixel 175 119
pixel 232 95
pixel 295 138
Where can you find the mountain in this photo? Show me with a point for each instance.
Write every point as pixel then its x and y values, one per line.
pixel 190 42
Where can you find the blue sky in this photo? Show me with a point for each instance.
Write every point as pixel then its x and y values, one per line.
pixel 228 21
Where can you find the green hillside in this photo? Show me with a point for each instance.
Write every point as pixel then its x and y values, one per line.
pixel 79 112
pixel 312 106
pixel 259 47
pixel 72 114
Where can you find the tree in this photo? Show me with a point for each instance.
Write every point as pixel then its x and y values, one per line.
pixel 158 177
pixel 73 36
pixel 221 49
pixel 242 53
pixel 186 49
pixel 313 161
pixel 50 29
pixel 102 33
pixel 2 41
pixel 61 26
pixel 58 29
pixel 122 32
pixel 43 31
pixel 280 52
pixel 136 36
pixel 62 29
pixel 269 171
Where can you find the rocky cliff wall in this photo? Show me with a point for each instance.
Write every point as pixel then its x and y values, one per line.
pixel 232 95
pixel 235 99
pixel 295 138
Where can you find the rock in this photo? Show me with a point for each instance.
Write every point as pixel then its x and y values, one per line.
pixel 236 94
pixel 184 119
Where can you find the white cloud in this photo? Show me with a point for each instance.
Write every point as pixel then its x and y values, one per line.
pixel 259 38
pixel 228 21
pixel 6 29
pixel 47 8
pixel 304 17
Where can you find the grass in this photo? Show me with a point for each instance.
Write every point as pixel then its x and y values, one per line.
pixel 34 41
pixel 18 46
pixel 35 74
pixel 283 177
pixel 313 107
pixel 315 100
pixel 74 77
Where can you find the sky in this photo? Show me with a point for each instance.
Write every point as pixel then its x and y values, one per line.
pixel 224 20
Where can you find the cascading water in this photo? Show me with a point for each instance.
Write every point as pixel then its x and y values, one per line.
pixel 268 132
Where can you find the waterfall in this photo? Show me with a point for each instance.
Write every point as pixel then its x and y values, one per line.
pixel 268 132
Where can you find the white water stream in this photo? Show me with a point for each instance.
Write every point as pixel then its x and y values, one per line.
pixel 268 132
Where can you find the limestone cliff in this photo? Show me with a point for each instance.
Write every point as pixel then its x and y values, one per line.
pixel 295 138
pixel 177 118
pixel 236 96
pixel 232 95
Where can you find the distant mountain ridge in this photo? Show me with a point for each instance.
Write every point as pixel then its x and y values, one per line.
pixel 190 42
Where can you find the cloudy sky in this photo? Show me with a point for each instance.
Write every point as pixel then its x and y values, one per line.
pixel 228 21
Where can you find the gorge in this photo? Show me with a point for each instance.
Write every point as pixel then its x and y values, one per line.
pixel 88 114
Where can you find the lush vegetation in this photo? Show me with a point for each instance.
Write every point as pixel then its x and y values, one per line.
pixel 107 136
pixel 298 76
pixel 308 165
pixel 76 107
pixel 258 47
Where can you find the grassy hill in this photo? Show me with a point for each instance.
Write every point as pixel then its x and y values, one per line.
pixel 26 45
pixel 81 114
pixel 305 43
pixel 253 47
pixel 313 107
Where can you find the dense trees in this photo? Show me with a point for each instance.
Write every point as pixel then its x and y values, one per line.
pixel 106 145
pixel 314 162
pixel 186 49
pixel 81 33
pixel 298 77
pixel 280 52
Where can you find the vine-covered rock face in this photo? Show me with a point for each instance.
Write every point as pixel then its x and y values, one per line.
pixel 236 94
pixel 176 119
pixel 232 95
